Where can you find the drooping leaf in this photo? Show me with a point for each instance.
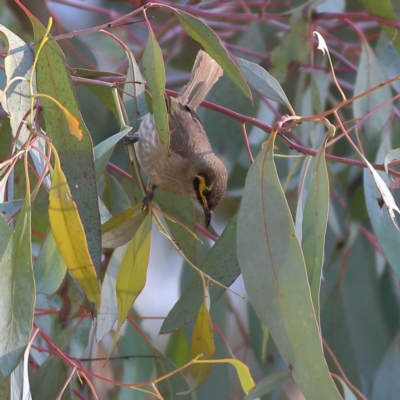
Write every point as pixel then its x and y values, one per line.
pixel 109 309
pixel 202 345
pixel 70 236
pixel 134 93
pixel 174 385
pixel 49 379
pixel 275 277
pixel 242 370
pixel 294 46
pixel 315 219
pixel 182 209
pixel 17 100
pixel 385 194
pixel 153 67
pixel 54 79
pixel 17 292
pixel 103 151
pixel 120 229
pixel 393 154
pixel 268 384
pixel 178 348
pixel 49 268
pixel 386 9
pixel 386 233
pixel 264 83
pixel 386 382
pixel 222 265
pixel 133 271
pixel 371 73
pixel 203 34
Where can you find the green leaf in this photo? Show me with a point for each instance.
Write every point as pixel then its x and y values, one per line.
pixel 49 379
pixel 103 151
pixel 134 93
pixel 219 127
pixel 10 208
pixel 109 309
pixel 203 34
pixel 17 292
pixel 173 386
pixel 385 9
pixel 294 46
pixel 182 209
pixel 222 265
pixel 114 196
pixel 49 268
pixel 275 277
pixel 264 83
pixel 371 73
pixel 153 67
pixel 18 62
pixel 178 348
pixel 54 79
pixel 5 234
pixel 17 101
pixel 386 382
pixel 268 384
pixel 385 231
pixel 315 219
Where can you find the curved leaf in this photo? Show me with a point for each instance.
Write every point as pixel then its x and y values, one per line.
pixel 202 345
pixel 153 67
pixel 268 384
pixel 17 292
pixel 264 83
pixel 275 277
pixel 386 233
pixel 17 100
pixel 222 265
pixel 54 79
pixel 203 34
pixel 133 270
pixel 315 220
pixel 120 229
pixel 49 268
pixel 70 236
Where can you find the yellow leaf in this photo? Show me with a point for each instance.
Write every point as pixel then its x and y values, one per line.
pixel 132 272
pixel 72 121
pixel 70 236
pixel 73 124
pixel 242 370
pixel 119 229
pixel 202 344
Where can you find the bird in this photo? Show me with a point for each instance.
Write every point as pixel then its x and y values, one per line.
pixel 189 166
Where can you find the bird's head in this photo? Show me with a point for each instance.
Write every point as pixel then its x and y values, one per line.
pixel 210 186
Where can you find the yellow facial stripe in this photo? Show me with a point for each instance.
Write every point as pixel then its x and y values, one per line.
pixel 202 187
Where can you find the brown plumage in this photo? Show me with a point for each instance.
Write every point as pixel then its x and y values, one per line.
pixel 189 166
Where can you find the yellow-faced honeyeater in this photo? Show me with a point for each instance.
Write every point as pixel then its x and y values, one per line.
pixel 189 166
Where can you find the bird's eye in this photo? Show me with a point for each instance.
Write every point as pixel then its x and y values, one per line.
pixel 202 189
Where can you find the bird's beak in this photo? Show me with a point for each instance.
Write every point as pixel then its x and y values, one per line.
pixel 207 215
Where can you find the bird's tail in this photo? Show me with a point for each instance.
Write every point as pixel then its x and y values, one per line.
pixel 205 73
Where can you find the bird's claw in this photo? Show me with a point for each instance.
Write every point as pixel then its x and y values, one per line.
pixel 130 139
pixel 148 198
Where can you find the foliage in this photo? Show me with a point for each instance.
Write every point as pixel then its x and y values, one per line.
pixel 309 224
